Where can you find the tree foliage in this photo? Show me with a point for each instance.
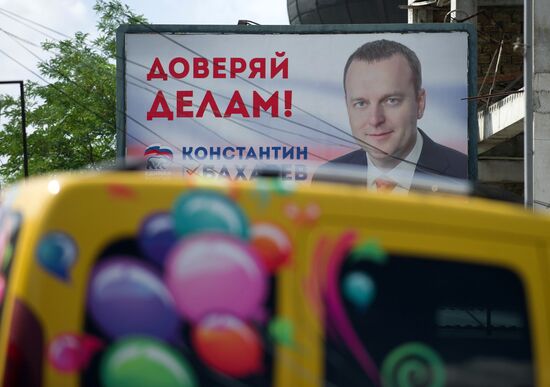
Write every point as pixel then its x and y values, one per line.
pixel 70 116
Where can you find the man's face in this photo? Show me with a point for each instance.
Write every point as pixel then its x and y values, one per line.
pixel 383 107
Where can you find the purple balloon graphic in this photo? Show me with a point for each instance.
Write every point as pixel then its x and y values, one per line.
pixel 128 297
pixel 156 236
pixel 215 273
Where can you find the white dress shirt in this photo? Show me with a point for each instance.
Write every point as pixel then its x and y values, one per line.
pixel 402 173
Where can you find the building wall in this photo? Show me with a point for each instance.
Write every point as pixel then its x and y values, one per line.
pixel 495 24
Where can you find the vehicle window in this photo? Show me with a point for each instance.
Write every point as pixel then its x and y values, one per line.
pixel 415 321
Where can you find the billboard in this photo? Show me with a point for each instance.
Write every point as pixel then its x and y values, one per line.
pixel 231 101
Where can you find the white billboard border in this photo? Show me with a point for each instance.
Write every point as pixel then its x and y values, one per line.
pixel 124 29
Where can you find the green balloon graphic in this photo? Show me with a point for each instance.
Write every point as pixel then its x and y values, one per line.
pixel 413 364
pixel 144 362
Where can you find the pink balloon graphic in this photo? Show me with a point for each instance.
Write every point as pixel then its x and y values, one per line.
pixel 215 273
pixel 69 352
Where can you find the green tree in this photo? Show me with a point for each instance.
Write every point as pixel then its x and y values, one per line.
pixel 71 118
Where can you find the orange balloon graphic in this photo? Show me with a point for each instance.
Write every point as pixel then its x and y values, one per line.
pixel 228 345
pixel 272 244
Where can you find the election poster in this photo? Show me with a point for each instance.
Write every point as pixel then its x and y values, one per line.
pixel 231 102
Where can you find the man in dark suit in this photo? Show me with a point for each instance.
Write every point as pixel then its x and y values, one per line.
pixel 384 99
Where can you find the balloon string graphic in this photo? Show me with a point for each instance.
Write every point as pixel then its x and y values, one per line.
pixel 336 309
pixel 315 283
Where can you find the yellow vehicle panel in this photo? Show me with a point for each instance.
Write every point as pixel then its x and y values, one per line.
pixel 133 279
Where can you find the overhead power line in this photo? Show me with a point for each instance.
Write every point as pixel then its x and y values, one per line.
pixel 27 25
pixel 352 140
pixel 19 38
pixel 8 13
pixel 423 168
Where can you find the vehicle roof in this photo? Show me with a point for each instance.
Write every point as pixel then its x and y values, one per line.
pixel 33 196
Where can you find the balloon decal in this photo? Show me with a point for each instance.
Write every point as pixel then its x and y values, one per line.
pixel 371 250
pixel 413 362
pixel 143 362
pixel 282 331
pixel 228 345
pixel 359 289
pixel 156 236
pixel 195 277
pixel 70 353
pixel 126 297
pixel 196 281
pixel 208 211
pixel 210 273
pixel 57 253
pixel 272 244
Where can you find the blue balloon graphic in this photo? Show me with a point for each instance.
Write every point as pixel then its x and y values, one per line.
pixel 359 289
pixel 128 297
pixel 57 253
pixel 157 236
pixel 208 211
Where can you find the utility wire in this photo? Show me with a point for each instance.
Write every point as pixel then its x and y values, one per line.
pixel 421 167
pixel 351 142
pixel 19 38
pixel 172 96
pixel 318 140
pixel 71 99
pixel 145 67
pixel 250 82
pixel 34 22
pixel 105 120
pixel 98 115
pixel 232 120
pixel 26 24
pixel 196 121
pixel 424 168
pixel 70 80
pixel 356 140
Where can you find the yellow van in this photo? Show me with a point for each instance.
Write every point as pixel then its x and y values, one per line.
pixel 121 279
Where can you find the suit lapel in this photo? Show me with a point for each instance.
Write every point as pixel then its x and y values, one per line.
pixel 431 161
pixel 359 157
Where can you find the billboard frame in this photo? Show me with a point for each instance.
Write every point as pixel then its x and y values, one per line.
pixel 473 131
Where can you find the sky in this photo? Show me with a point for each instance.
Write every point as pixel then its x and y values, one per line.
pixel 70 16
